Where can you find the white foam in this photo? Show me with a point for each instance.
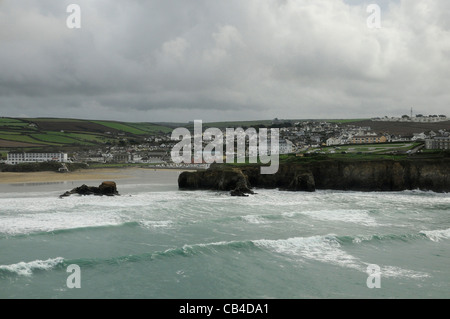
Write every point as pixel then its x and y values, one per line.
pixel 355 216
pixel 156 223
pixel 27 268
pixel 327 249
pixel 254 219
pixel 359 239
pixel 437 235
pixel 320 248
pixel 396 272
pixel 47 222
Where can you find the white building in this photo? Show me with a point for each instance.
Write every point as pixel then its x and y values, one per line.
pixel 22 157
pixel 419 137
pixel 285 146
pixel 334 141
pixel 442 143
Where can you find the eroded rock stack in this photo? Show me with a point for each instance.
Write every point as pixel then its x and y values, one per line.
pixel 105 189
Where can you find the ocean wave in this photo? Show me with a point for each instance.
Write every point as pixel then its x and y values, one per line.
pixel 254 219
pixel 355 216
pixel 151 224
pixel 437 235
pixel 319 248
pixel 327 249
pixel 188 250
pixel 358 239
pixel 27 268
pixel 397 272
pixel 67 230
pixel 50 222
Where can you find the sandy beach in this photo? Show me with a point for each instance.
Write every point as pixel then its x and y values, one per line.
pixel 98 174
pixel 41 177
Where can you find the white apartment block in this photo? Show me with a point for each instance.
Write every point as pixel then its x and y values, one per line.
pixel 22 157
pixel 442 143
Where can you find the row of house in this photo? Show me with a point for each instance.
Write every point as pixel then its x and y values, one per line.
pixel 419 118
pixel 376 138
pixel 24 157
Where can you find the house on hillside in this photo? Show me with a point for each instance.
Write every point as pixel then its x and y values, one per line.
pixel 419 137
pixel 334 141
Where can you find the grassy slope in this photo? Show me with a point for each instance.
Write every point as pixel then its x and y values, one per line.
pixel 121 127
pixel 151 128
pixel 72 132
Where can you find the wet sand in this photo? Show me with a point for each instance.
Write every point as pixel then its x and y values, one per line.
pixel 85 175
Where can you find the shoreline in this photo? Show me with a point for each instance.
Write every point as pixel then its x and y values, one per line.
pixel 103 174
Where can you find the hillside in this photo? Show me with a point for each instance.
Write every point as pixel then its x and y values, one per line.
pixel 38 133
pixel 51 132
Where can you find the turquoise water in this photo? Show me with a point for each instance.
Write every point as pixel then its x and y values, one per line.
pixel 155 241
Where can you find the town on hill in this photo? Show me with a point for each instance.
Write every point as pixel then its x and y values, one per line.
pixel 100 143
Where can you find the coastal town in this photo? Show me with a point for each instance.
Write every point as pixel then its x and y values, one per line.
pixel 300 137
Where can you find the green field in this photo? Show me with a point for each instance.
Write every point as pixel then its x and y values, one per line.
pixel 150 128
pixel 73 132
pixel 4 120
pixel 94 138
pixel 19 138
pixel 12 123
pixel 59 139
pixel 46 119
pixel 122 127
pixel 9 133
pixel 55 138
pixel 235 124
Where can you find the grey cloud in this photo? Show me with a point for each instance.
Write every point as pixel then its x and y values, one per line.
pixel 223 60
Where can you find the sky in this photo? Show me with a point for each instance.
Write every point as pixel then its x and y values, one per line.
pixel 223 60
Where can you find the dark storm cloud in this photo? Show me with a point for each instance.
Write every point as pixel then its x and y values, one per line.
pixel 214 60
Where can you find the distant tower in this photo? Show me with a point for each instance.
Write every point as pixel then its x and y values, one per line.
pixel 411 112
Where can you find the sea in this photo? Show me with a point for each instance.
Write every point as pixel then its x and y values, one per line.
pixel 155 241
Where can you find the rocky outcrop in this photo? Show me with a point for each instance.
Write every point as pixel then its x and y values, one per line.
pixel 355 175
pixel 105 189
pixel 302 182
pixel 232 180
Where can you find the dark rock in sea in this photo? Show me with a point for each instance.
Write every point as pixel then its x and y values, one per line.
pixel 242 189
pixel 232 180
pixel 105 189
pixel 303 182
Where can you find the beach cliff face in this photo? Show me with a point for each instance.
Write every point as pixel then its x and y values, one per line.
pixel 373 175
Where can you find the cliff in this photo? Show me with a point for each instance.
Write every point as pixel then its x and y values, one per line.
pixel 355 175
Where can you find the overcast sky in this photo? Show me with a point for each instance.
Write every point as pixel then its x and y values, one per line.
pixel 180 60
